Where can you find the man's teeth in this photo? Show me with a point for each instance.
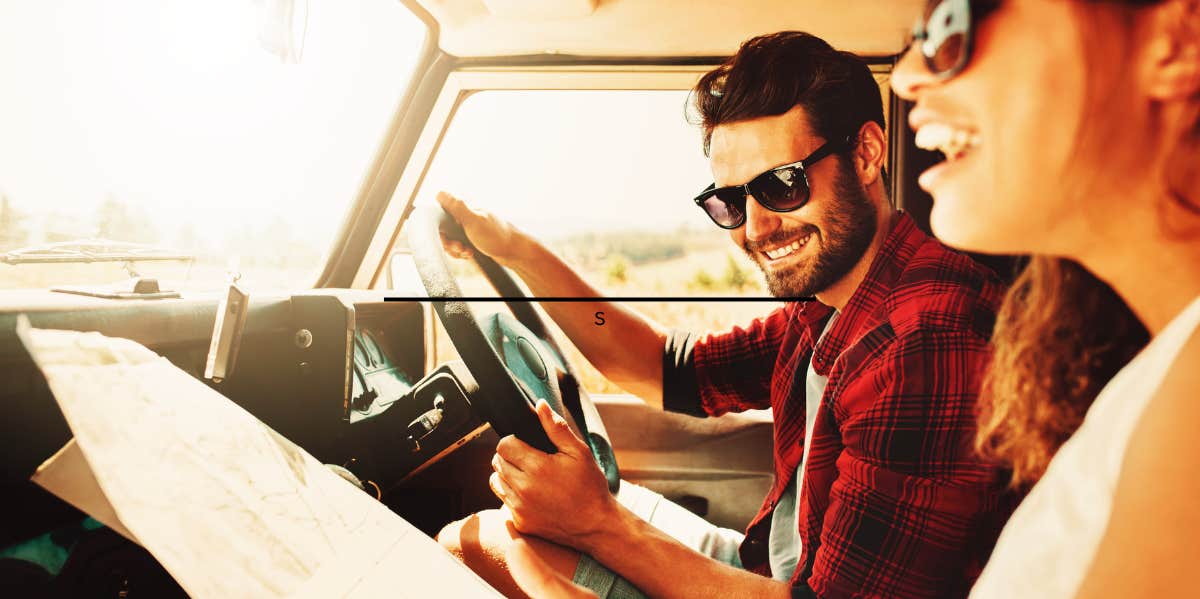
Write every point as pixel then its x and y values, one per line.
pixel 780 252
pixel 951 141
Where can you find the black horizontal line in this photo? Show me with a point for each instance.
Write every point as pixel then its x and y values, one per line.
pixel 556 299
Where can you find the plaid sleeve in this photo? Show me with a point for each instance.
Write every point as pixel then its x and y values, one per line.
pixel 733 369
pixel 911 512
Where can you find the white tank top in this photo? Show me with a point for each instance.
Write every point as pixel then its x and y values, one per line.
pixel 1049 543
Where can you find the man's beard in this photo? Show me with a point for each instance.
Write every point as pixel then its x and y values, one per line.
pixel 850 226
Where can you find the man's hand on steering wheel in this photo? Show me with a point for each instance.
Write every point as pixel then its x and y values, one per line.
pixel 562 497
pixel 489 233
pixel 513 358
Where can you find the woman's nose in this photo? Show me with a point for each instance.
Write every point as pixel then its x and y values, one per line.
pixel 910 74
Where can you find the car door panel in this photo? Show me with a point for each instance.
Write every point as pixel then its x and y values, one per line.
pixel 721 464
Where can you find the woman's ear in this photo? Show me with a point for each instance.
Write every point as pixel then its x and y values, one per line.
pixel 1172 65
pixel 871 154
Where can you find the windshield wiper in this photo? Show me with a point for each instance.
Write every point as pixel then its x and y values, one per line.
pixel 84 251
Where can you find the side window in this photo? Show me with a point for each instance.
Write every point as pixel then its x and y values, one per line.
pixel 606 179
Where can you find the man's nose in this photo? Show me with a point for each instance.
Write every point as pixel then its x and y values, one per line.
pixel 910 75
pixel 760 222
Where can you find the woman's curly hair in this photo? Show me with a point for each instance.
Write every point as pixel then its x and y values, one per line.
pixel 1061 333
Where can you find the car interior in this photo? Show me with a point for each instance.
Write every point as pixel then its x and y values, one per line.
pixel 354 366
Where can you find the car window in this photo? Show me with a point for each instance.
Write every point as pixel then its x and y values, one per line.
pixel 232 131
pixel 605 178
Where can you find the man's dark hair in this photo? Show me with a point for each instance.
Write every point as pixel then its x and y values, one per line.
pixel 771 74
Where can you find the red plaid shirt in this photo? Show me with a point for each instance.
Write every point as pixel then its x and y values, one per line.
pixel 894 502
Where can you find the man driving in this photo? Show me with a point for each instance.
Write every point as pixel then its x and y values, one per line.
pixel 872 386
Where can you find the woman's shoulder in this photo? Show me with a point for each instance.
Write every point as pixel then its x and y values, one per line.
pixel 1149 546
pixel 1176 402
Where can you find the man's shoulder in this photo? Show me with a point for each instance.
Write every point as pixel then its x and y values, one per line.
pixel 943 290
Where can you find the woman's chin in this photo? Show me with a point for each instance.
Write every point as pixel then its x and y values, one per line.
pixel 967 230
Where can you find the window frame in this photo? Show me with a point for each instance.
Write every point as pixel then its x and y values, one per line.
pixel 460 84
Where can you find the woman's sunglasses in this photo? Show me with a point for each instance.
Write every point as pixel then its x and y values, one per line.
pixel 945 34
pixel 781 189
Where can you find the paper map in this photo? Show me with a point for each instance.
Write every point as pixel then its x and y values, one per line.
pixel 226 505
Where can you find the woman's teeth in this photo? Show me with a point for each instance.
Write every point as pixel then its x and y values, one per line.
pixel 786 250
pixel 950 141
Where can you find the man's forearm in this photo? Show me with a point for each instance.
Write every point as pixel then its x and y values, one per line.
pixel 624 345
pixel 660 566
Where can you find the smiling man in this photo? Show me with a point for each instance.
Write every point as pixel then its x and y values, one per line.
pixel 872 386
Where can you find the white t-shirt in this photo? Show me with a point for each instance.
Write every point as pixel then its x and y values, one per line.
pixel 1049 543
pixel 783 542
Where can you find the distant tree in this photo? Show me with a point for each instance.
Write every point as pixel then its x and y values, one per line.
pixel 12 233
pixel 117 221
pixel 616 269
pixel 735 277
pixel 702 280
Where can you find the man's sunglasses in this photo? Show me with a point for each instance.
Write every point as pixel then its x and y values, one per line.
pixel 781 189
pixel 945 34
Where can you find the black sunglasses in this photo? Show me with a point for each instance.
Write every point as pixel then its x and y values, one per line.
pixel 781 189
pixel 945 33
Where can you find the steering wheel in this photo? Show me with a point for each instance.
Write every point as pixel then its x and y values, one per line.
pixel 515 361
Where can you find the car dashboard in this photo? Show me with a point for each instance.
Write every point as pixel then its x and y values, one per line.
pixel 342 373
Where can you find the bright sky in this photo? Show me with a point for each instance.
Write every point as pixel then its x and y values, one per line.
pixel 564 162
pixel 174 105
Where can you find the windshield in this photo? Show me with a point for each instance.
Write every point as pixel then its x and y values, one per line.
pixel 605 178
pixel 231 133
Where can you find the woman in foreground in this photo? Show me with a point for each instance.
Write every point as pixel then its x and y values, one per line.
pixel 1072 133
